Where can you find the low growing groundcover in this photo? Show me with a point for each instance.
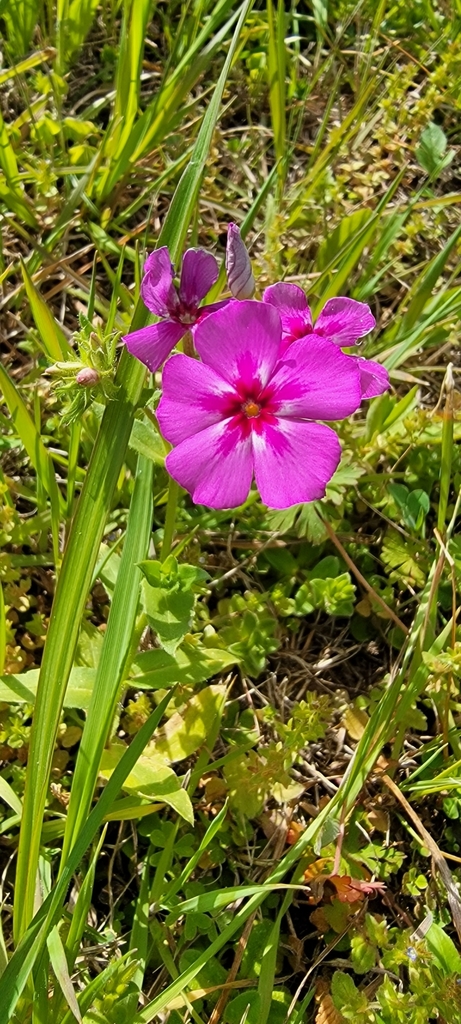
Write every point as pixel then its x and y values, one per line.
pixel 230 733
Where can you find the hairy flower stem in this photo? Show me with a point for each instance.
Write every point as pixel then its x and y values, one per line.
pixel 170 519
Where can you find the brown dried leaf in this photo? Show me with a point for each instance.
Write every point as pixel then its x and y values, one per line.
pixel 327 1012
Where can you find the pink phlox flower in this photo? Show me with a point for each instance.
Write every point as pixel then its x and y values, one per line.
pixel 178 307
pixel 341 321
pixel 246 411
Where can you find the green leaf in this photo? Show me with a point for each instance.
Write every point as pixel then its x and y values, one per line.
pixel 151 777
pixel 246 1006
pixel 402 558
pixel 191 663
pixel 443 949
pixel 414 505
pixel 431 153
pixel 146 440
pixel 22 688
pixel 363 954
pixel 170 575
pixel 186 731
pixel 343 991
pixel 169 612
pixel 329 591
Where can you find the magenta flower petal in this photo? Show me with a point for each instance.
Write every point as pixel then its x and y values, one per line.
pixel 316 381
pixel 209 308
pixel 199 272
pixel 157 288
pixel 153 344
pixel 293 461
pixel 194 397
pixel 343 321
pixel 240 342
pixel 374 378
pixel 293 307
pixel 215 465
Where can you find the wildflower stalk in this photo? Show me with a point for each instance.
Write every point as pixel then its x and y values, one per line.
pixel 170 519
pixel 447 449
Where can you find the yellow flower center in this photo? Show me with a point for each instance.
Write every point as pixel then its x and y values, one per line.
pixel 251 408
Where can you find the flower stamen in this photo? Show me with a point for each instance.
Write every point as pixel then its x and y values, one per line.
pixel 251 408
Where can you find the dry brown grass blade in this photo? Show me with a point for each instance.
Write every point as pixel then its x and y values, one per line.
pixel 363 582
pixel 436 854
pixel 221 1004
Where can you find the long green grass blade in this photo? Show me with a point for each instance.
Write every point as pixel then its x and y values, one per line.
pixel 276 67
pixel 36 451
pixel 88 526
pixel 129 66
pixel 167 108
pixel 53 339
pixel 115 650
pixel 71 594
pixel 34 940
pixel 61 970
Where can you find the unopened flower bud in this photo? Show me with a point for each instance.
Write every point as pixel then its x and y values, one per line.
pixel 87 377
pixel 239 273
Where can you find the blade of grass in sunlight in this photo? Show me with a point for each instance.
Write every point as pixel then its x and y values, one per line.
pixel 36 451
pixel 346 245
pixel 34 939
pixel 88 525
pixel 115 651
pixel 276 69
pixel 442 307
pixel 12 191
pixel 73 23
pixel 26 65
pixel 53 339
pixel 2 631
pixel 20 17
pixel 140 938
pixel 422 289
pixel 165 111
pixel 61 970
pixel 71 594
pixel 129 67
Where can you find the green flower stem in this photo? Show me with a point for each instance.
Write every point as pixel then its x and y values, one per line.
pixel 447 449
pixel 170 519
pixel 71 594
